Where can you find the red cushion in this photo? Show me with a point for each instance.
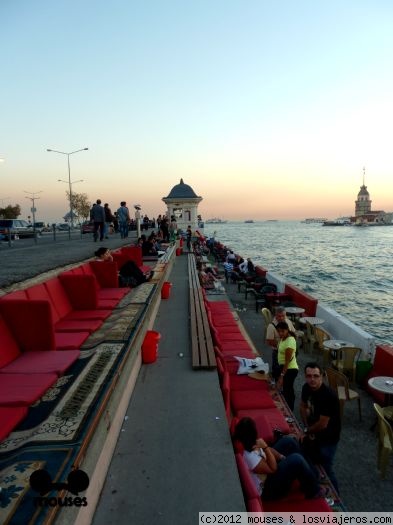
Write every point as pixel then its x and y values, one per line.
pixel 70 341
pixel 30 323
pixel 41 363
pixel 40 293
pixel 296 502
pixel 254 505
pixel 9 350
pixel 244 399
pixel 59 297
pixel 107 304
pixel 243 382
pixel 78 325
pixel 89 314
pixel 235 346
pixel 10 417
pixel 266 421
pixel 106 273
pixel 112 293
pixel 24 389
pixel 81 290
pixel 18 294
pixel 133 253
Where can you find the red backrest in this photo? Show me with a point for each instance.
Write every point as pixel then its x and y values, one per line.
pixel 86 269
pixel 302 299
pixel 9 350
pixel 106 273
pixel 17 294
pixel 40 293
pixel 260 271
pixel 133 253
pixel 383 360
pixel 58 297
pixel 119 258
pixel 226 394
pixel 30 323
pixel 81 290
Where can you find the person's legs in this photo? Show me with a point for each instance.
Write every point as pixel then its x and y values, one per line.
pixel 276 369
pixel 287 445
pixel 289 469
pixel 288 390
pixel 327 453
pixel 96 227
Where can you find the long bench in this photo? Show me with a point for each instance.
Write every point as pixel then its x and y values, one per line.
pixel 201 340
pixel 43 327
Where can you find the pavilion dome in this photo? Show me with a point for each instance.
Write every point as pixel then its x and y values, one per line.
pixel 182 191
pixel 363 191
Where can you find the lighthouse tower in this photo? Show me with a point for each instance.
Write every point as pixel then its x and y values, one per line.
pixel 182 202
pixel 363 202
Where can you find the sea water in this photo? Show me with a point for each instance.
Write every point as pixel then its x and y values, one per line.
pixel 348 268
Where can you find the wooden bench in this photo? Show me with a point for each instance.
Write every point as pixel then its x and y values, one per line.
pixel 201 340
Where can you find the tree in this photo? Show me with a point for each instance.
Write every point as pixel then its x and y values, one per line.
pixel 80 205
pixel 10 212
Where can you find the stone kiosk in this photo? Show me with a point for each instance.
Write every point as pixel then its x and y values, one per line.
pixel 182 202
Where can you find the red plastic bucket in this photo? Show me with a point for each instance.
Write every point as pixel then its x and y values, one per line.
pixel 178 251
pixel 166 290
pixel 181 242
pixel 150 346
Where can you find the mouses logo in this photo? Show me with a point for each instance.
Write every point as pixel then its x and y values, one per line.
pixel 77 481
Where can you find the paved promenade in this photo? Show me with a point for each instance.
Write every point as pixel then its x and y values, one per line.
pixel 25 259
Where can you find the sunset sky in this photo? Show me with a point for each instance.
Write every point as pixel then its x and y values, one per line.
pixel 267 109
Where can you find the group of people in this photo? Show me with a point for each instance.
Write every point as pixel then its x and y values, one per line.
pixel 274 468
pixel 129 273
pixel 103 219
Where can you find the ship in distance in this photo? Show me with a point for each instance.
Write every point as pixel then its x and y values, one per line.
pixel 215 220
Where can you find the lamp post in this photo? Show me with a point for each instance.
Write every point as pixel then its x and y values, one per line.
pixel 69 177
pixel 33 198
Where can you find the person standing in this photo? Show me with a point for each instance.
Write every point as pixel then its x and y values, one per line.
pixel 108 219
pixel 189 236
pixel 123 216
pixel 320 413
pixel 97 214
pixel 287 363
pixel 273 339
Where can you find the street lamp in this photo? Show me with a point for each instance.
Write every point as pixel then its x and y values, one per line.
pixel 69 177
pixel 33 198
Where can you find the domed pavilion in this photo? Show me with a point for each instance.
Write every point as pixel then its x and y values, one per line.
pixel 182 202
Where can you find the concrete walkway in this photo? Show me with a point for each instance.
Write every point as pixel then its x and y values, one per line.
pixel 174 457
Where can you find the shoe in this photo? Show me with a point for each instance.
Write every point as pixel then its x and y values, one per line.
pixel 322 492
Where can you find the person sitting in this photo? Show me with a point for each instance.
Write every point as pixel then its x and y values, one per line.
pixel 129 273
pixel 273 469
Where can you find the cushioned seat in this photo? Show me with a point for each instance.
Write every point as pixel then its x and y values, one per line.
pixel 24 389
pixel 244 399
pixel 40 292
pixel 10 417
pixel 41 363
pixel 266 420
pixel 70 340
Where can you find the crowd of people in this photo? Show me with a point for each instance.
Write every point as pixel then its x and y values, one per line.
pixel 273 468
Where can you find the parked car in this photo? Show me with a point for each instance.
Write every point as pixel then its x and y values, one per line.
pixel 17 227
pixel 39 227
pixel 87 227
pixel 63 227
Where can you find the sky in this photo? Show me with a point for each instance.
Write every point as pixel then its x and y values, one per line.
pixel 268 110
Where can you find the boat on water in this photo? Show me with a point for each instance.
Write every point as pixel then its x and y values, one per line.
pixel 249 221
pixel 314 220
pixel 215 220
pixel 340 221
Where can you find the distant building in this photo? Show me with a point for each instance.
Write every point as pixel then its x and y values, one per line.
pixel 182 202
pixel 364 215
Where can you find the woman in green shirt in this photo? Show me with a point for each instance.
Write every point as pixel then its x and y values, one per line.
pixel 287 361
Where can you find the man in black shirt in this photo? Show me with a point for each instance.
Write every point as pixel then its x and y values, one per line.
pixel 320 413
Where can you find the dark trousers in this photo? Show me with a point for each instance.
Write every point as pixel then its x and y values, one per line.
pixel 98 226
pixel 293 466
pixel 287 386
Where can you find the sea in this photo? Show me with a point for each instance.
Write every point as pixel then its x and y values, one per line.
pixel 348 268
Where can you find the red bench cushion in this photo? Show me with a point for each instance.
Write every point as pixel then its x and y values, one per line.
pixel 24 389
pixel 70 341
pixel 9 350
pixel 10 417
pixel 41 363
